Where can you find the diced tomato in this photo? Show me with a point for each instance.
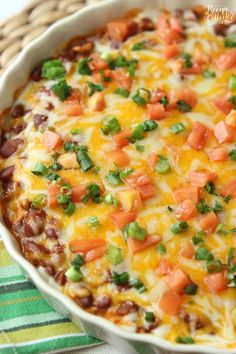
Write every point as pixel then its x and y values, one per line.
pixel 187 250
pixel 189 192
pixel 169 36
pixel 156 111
pixel 53 192
pixel 68 160
pixel 201 58
pixel 157 95
pixel 216 282
pixel 194 70
pixel 231 118
pixel 201 178
pixel 130 200
pixel 121 138
pixel 73 109
pixel 51 140
pixel 171 302
pixel 229 189
pixel 94 254
pixel 146 191
pixel 86 245
pixel 78 192
pixel 224 133
pixel 198 136
pixel 186 210
pixel 218 154
pixel 184 94
pixel 97 63
pixel 123 79
pixel 119 30
pixel 137 179
pixel 227 61
pixel 118 157
pixel 152 160
pixel 164 267
pixel 177 280
pixel 136 246
pixel 97 102
pixel 171 51
pixel 101 75
pixel 122 218
pixel 222 103
pixel 209 222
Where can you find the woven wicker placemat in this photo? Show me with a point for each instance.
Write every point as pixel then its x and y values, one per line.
pixel 16 32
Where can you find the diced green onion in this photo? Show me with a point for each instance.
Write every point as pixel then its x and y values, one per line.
pixel 78 260
pixel 83 67
pixel 163 165
pixel 217 208
pixel 120 278
pixel 74 274
pixel 222 229
pixel 190 289
pixel 69 146
pixel 40 169
pixel 56 166
pixel 76 131
pixel 53 177
pixel 177 128
pixel 122 92
pixel 93 222
pixel 135 231
pixel 149 125
pixel 142 96
pixel 232 154
pixel 126 172
pixel 232 99
pixel 230 41
pixel 111 125
pixel 203 207
pixel 187 60
pixel 84 159
pixel 203 254
pixel 138 285
pixel 227 198
pixel 70 209
pixel 232 82
pixel 94 88
pixel 184 340
pixel 149 316
pixel 138 46
pixel 210 188
pixel 198 239
pixel 114 254
pixel 93 193
pixel 109 199
pixel 183 106
pixel 164 101
pixel 179 227
pixel 61 90
pixel 161 248
pixel 120 61
pixel 140 148
pixel 137 133
pixel 214 266
pixel 208 74
pixel 132 66
pixel 114 178
pixel 39 201
pixel 63 198
pixel 106 56
pixel 53 69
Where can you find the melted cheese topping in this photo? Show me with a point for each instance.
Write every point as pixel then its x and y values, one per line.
pixel 216 311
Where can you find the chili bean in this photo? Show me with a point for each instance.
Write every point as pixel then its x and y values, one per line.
pixel 50 269
pixel 7 173
pixel 103 302
pixel 51 233
pixel 8 186
pixel 9 147
pixel 39 119
pixel 50 106
pixel 220 29
pixel 36 247
pixel 146 24
pixel 126 307
pixel 57 248
pixel 33 223
pixel 85 302
pixel 17 111
pixel 36 74
pixel 60 277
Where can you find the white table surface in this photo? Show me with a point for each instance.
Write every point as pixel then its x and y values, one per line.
pixel 9 8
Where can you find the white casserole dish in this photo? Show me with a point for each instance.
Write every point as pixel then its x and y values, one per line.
pixel 16 76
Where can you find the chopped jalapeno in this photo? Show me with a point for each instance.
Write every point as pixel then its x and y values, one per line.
pixel 187 60
pixel 39 201
pixel 70 209
pixel 114 254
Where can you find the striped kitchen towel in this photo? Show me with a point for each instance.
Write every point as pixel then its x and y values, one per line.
pixel 28 325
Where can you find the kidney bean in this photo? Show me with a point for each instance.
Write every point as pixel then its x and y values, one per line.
pixel 33 223
pixel 8 186
pixel 50 106
pixel 17 111
pixel 9 147
pixel 51 233
pixel 57 248
pixel 220 29
pixel 85 302
pixel 39 119
pixel 18 129
pixel 103 302
pixel 50 269
pixel 36 74
pixel 126 307
pixel 60 277
pixel 36 247
pixel 7 173
pixel 146 24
